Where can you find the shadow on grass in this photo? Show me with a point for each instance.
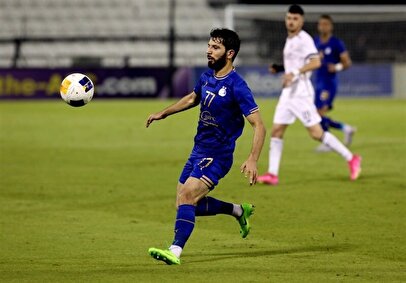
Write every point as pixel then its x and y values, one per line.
pixel 264 253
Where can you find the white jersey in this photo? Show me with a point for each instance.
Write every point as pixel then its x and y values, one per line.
pixel 297 100
pixel 296 53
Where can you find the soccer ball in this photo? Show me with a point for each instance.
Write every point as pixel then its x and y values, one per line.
pixel 77 89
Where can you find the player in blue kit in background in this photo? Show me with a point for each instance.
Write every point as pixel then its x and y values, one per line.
pixel 225 99
pixel 335 58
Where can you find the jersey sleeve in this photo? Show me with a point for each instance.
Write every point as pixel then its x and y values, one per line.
pixel 309 48
pixel 341 46
pixel 244 98
pixel 199 84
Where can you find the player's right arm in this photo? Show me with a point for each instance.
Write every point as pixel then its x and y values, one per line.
pixel 186 102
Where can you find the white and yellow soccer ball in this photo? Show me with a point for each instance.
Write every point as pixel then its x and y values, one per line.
pixel 77 89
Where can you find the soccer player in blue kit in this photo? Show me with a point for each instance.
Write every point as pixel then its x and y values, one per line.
pixel 225 99
pixel 335 58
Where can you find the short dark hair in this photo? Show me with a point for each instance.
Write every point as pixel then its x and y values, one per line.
pixel 326 17
pixel 296 9
pixel 228 38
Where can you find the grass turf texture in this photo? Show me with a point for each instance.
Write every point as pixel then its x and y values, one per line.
pixel 86 191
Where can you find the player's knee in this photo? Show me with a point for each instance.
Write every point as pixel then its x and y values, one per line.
pixel 316 132
pixel 277 132
pixel 323 110
pixel 315 136
pixel 186 196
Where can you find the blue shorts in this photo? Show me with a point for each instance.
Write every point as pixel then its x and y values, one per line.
pixel 208 169
pixel 325 94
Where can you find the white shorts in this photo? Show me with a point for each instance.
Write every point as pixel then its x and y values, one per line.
pixel 290 108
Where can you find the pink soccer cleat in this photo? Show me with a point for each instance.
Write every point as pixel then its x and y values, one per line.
pixel 268 179
pixel 355 167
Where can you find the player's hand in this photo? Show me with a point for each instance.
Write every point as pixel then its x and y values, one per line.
pixel 272 69
pixel 287 79
pixel 276 68
pixel 249 168
pixel 331 68
pixel 153 117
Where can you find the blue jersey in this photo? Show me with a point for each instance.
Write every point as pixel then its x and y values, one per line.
pixel 331 51
pixel 224 101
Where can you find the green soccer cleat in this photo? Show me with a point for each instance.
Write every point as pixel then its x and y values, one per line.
pixel 243 220
pixel 165 255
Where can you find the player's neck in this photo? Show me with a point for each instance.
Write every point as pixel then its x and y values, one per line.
pixel 225 70
pixel 293 33
pixel 325 37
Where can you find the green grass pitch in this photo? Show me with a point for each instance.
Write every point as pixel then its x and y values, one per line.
pixel 84 192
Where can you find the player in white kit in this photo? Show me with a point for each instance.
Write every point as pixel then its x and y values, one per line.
pixel 300 58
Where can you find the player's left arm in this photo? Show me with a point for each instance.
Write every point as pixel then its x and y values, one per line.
pixel 313 63
pixel 345 63
pixel 345 59
pixel 249 167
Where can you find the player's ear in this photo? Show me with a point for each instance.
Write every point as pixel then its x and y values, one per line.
pixel 230 54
